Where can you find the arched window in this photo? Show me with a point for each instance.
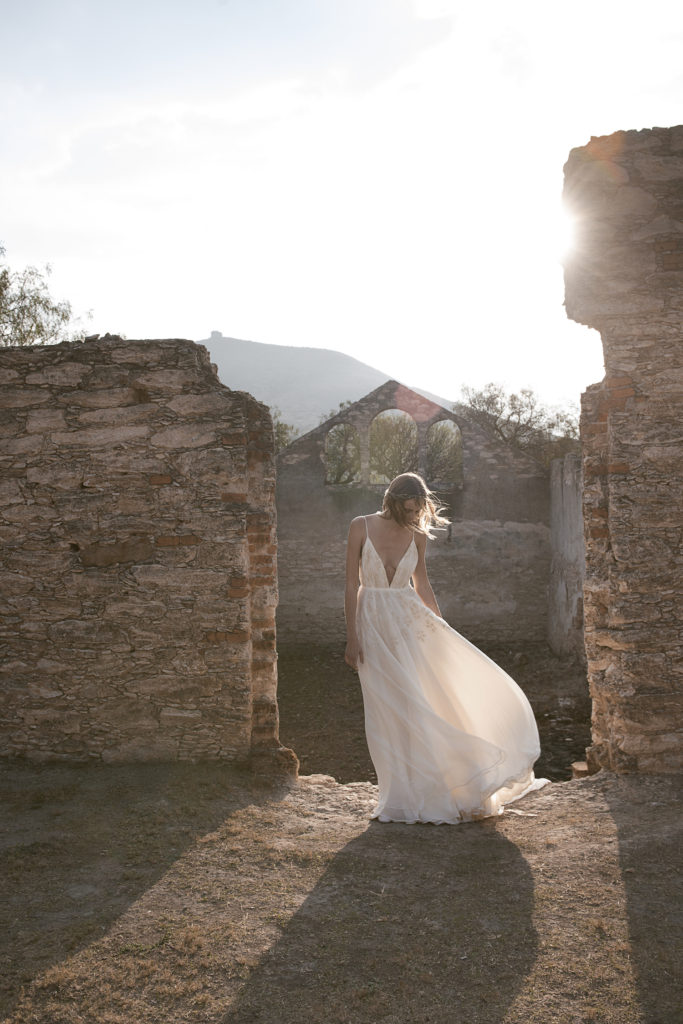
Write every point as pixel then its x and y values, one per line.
pixel 393 446
pixel 444 455
pixel 342 455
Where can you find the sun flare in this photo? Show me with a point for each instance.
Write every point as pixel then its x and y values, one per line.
pixel 564 234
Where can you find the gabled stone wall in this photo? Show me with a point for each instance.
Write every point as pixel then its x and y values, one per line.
pixel 626 279
pixel 489 570
pixel 137 577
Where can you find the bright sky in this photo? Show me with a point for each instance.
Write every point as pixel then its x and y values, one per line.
pixel 381 177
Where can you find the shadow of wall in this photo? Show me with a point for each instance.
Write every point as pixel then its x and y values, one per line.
pixel 82 844
pixel 649 856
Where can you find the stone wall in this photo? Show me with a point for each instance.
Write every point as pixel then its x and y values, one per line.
pixel 489 571
pixel 137 577
pixel 568 566
pixel 626 279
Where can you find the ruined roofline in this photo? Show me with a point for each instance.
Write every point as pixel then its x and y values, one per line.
pixel 343 415
pixel 425 413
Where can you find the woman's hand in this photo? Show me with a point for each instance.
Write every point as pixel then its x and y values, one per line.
pixel 353 655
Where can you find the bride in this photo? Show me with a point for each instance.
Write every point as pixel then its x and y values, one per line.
pixel 451 735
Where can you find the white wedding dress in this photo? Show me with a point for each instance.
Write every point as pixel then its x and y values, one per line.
pixel 451 735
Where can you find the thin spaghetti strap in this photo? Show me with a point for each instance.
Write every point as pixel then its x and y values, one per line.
pixel 365 520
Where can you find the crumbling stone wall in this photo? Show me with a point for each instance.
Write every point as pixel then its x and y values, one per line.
pixel 137 578
pixel 568 566
pixel 489 571
pixel 626 279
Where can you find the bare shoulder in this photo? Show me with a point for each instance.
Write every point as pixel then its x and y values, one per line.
pixel 357 527
pixel 420 542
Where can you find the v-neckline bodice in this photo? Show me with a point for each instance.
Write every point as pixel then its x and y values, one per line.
pixel 398 563
pixel 369 540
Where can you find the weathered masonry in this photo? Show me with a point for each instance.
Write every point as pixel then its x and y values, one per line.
pixel 626 279
pixel 490 569
pixel 138 570
pixel 567 569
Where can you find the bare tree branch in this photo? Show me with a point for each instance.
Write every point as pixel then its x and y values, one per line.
pixel 521 420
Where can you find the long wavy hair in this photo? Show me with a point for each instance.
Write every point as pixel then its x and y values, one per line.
pixel 411 486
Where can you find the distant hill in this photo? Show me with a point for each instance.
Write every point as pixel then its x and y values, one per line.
pixel 304 383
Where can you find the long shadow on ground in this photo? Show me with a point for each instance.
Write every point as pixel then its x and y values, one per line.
pixel 649 856
pixel 79 844
pixel 396 931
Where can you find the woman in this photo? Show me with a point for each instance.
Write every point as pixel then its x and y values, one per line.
pixel 451 735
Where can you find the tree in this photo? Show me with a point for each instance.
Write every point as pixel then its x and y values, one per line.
pixel 393 446
pixel 284 433
pixel 342 455
pixel 28 313
pixel 342 449
pixel 521 420
pixel 444 453
pixel 393 449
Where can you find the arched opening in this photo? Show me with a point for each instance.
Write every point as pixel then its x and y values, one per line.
pixel 443 462
pixel 393 446
pixel 342 455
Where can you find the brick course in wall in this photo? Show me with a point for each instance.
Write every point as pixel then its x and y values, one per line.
pixel 138 571
pixel 625 278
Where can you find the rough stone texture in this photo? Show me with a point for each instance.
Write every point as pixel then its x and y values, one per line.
pixel 568 566
pixel 626 279
pixel 489 571
pixel 138 574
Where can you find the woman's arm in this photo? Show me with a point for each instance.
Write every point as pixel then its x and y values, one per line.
pixel 421 582
pixel 353 655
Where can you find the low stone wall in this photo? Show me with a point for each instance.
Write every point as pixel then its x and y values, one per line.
pixel 626 279
pixel 568 566
pixel 137 576
pixel 488 577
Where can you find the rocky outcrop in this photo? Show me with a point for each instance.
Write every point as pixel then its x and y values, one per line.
pixel 626 279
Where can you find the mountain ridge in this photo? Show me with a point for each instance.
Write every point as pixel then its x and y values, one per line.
pixel 306 384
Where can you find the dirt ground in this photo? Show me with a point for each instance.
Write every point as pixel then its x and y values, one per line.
pixel 177 893
pixel 180 894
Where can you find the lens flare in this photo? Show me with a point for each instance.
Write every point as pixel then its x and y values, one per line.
pixel 565 234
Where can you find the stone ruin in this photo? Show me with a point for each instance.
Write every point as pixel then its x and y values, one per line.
pixel 568 565
pixel 625 278
pixel 137 577
pixel 490 569
pixel 138 568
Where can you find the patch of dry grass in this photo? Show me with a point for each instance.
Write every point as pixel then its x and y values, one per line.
pixel 185 894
